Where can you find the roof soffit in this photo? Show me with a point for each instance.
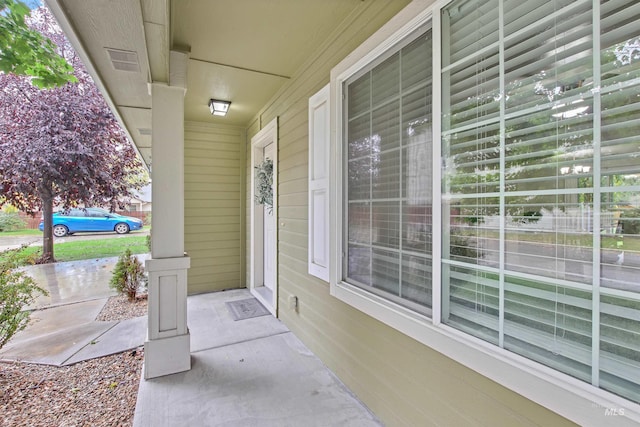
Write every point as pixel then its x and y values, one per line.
pixel 245 51
pixel 241 51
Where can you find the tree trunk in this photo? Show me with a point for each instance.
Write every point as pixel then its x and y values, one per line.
pixel 47 236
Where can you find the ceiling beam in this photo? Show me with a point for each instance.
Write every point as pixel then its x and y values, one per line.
pixel 266 73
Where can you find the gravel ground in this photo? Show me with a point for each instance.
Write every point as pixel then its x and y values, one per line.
pixel 99 392
pixel 119 308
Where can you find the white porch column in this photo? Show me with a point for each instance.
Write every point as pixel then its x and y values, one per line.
pixel 167 348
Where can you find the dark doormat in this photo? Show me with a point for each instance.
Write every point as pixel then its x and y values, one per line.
pixel 246 309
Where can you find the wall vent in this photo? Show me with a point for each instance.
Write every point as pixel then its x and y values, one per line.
pixel 144 131
pixel 123 60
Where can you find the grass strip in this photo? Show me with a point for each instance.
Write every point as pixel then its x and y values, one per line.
pixel 23 232
pixel 88 249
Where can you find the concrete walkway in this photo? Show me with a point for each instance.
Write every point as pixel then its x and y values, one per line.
pixel 62 328
pixel 251 372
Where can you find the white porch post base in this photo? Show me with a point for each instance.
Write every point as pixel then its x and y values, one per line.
pixel 167 348
pixel 167 356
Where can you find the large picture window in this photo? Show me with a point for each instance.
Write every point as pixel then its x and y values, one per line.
pixel 388 198
pixel 488 191
pixel 541 182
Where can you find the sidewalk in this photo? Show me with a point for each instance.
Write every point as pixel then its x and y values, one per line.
pixel 62 330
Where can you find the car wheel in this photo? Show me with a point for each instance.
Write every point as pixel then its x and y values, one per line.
pixel 60 230
pixel 122 228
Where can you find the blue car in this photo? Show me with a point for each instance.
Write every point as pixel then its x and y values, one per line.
pixel 91 220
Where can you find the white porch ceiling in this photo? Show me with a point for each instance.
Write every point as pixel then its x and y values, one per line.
pixel 242 51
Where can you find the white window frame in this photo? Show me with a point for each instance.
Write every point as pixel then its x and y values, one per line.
pixel 561 393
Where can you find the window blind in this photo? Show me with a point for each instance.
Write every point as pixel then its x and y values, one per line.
pixel 388 195
pixel 541 182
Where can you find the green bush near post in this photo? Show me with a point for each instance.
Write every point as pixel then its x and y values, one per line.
pixel 11 221
pixel 17 289
pixel 147 219
pixel 128 275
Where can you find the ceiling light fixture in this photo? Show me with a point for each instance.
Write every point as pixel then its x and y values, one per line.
pixel 219 108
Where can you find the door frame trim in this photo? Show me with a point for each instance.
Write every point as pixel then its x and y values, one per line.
pixel 267 135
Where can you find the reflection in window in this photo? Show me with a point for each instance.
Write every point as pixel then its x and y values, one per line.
pixel 389 185
pixel 541 183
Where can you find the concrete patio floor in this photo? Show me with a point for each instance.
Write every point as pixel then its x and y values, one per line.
pixel 251 372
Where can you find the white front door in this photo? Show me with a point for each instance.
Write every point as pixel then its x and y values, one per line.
pixel 264 232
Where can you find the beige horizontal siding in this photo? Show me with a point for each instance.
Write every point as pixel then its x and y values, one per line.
pixel 214 207
pixel 210 203
pixel 402 381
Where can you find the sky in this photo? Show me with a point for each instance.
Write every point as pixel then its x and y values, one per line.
pixel 32 4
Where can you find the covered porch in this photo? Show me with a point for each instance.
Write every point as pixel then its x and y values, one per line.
pixel 159 64
pixel 244 373
pixel 287 67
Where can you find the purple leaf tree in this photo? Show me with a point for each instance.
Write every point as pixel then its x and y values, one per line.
pixel 61 146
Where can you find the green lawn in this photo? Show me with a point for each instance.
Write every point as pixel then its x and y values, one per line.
pixel 24 232
pixel 89 249
pixel 34 232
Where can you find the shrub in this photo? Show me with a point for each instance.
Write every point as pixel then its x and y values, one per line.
pixel 463 246
pixel 630 221
pixel 17 289
pixel 128 275
pixel 11 222
pixel 147 219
